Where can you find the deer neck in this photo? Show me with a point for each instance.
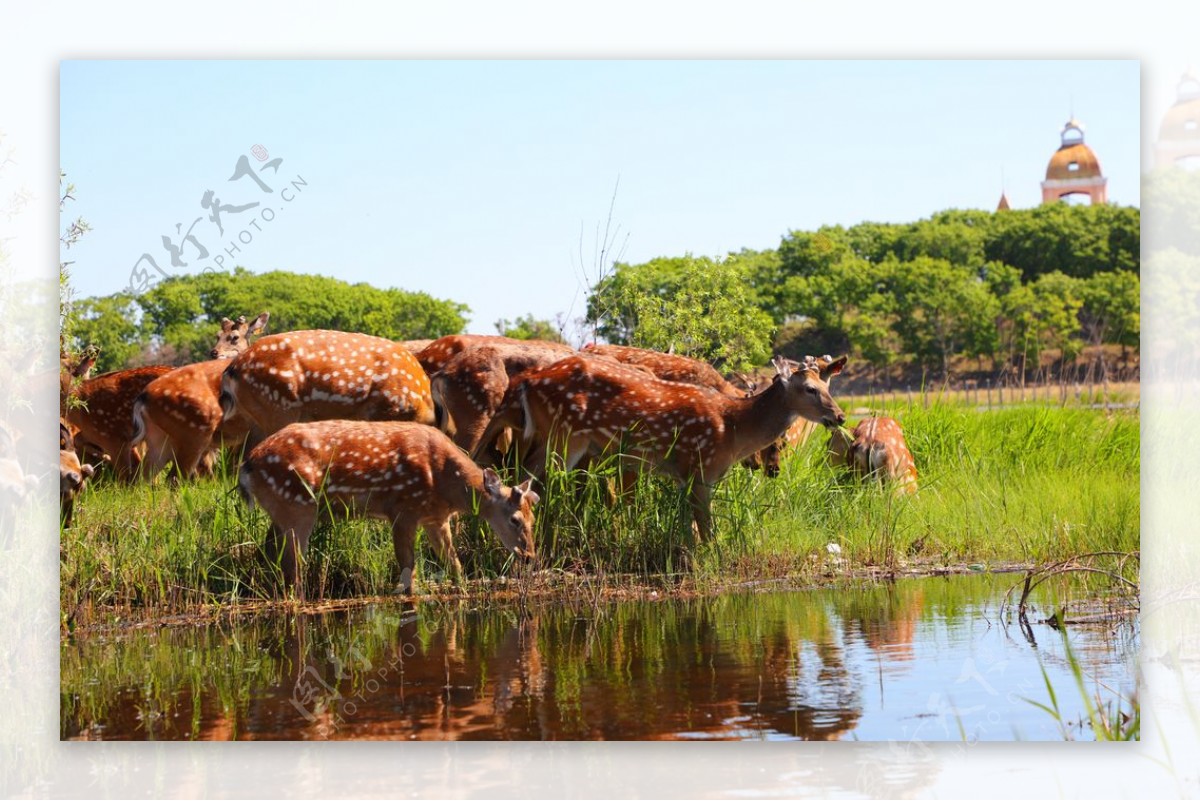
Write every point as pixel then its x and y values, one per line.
pixel 757 421
pixel 464 485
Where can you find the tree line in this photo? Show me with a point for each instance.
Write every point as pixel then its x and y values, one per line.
pixel 962 289
pixel 173 322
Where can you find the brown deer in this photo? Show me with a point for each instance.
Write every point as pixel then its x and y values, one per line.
pixel 324 375
pixel 103 409
pixel 797 434
pixel 407 473
pixel 471 385
pixel 875 448
pixel 178 415
pixel 434 356
pixel 72 473
pixel 693 434
pixel 669 367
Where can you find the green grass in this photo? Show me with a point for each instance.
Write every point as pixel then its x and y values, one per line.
pixel 1026 483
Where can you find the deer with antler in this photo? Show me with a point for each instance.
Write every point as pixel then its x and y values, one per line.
pixel 693 434
pixel 875 448
pixel 768 459
pixel 303 376
pixel 409 474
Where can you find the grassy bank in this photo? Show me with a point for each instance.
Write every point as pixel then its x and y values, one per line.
pixel 1019 484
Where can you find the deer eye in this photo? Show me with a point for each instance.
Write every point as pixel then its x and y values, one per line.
pixel 516 520
pixel 234 338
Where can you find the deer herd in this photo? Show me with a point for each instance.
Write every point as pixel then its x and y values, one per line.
pixel 332 423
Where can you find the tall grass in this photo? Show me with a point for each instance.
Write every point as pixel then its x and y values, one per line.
pixel 1020 484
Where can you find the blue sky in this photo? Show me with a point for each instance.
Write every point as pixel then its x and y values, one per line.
pixel 484 182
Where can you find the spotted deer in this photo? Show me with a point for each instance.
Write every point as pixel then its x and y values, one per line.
pixel 797 434
pixel 72 473
pixel 693 434
pixel 304 376
pixel 471 385
pixel 875 448
pixel 669 367
pixel 407 473
pixel 178 415
pixel 102 407
pixel 435 355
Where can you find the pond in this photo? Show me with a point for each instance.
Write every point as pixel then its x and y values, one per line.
pixel 915 659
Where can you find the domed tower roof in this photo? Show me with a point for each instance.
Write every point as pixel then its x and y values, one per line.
pixel 1074 169
pixel 1179 133
pixel 1074 159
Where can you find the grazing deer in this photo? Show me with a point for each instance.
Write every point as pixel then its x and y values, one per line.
pixel 434 356
pixel 407 473
pixel 693 434
pixel 797 434
pixel 104 415
pixel 876 448
pixel 72 370
pixel 104 412
pixel 471 385
pixel 72 473
pixel 669 367
pixel 324 375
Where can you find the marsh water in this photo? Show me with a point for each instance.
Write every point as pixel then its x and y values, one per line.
pixel 915 659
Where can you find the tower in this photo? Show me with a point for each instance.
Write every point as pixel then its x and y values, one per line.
pixel 1074 169
pixel 1179 134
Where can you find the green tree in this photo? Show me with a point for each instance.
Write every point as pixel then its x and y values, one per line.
pixel 693 306
pixel 1111 312
pixel 942 309
pixel 529 327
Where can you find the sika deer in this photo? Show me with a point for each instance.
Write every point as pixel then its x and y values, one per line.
pixel 692 434
pixel 179 414
pixel 72 474
pixel 435 356
pixel 324 375
pixel 669 367
pixel 471 385
pixel 104 414
pixel 876 448
pixel 798 432
pixel 407 473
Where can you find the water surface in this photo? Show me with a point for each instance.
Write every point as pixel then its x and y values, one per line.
pixel 919 659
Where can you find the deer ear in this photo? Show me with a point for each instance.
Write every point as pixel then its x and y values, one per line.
pixel 491 482
pixel 835 365
pixel 526 490
pixel 783 368
pixel 260 322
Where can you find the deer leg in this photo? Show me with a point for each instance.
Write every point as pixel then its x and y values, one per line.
pixel 188 455
pixel 441 537
pixel 286 542
pixel 700 498
pixel 158 452
pixel 404 539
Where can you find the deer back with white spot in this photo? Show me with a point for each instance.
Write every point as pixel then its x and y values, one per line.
pixel 435 355
pixel 179 416
pixel 471 386
pixel 407 473
pixel 104 414
pixel 692 433
pixel 875 447
pixel 323 375
pixel 670 367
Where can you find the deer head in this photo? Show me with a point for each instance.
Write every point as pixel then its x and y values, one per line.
pixel 235 336
pixel 509 512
